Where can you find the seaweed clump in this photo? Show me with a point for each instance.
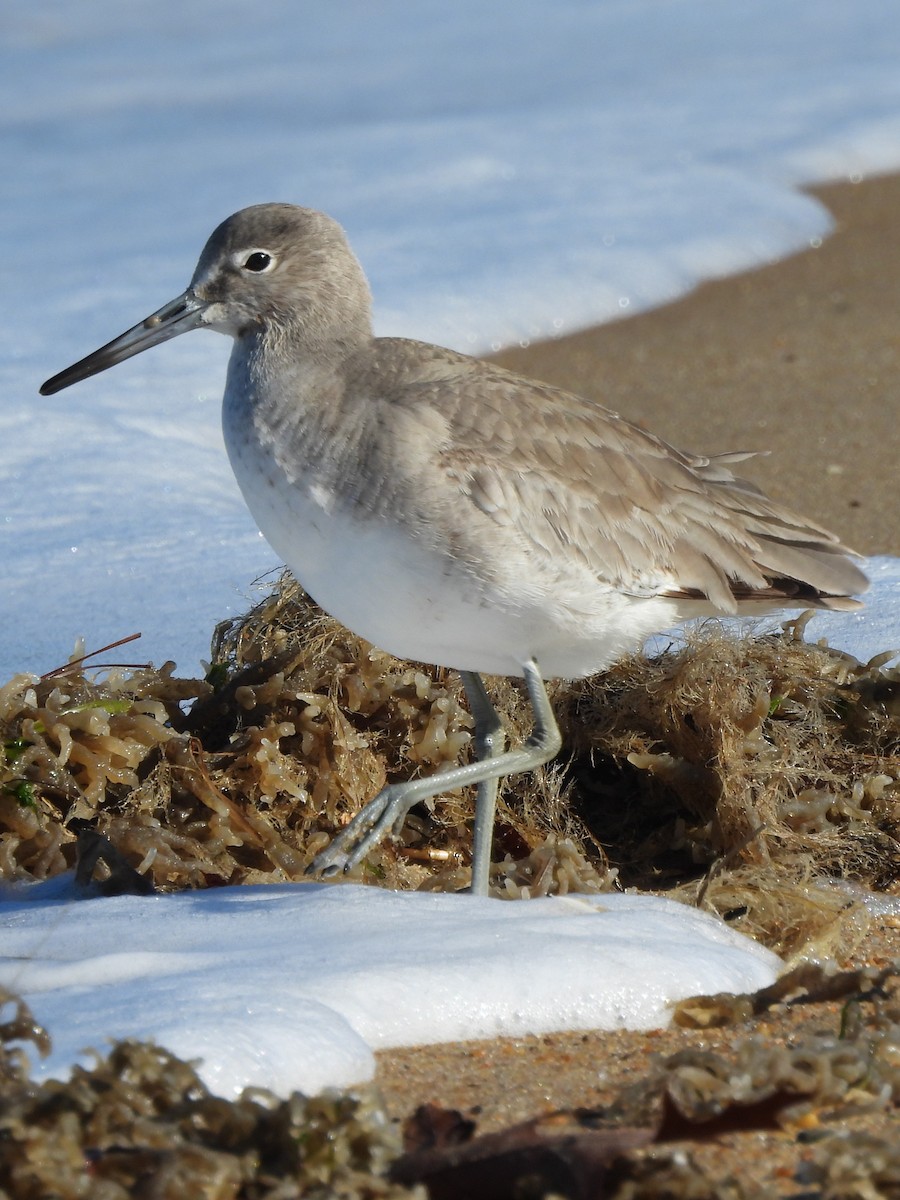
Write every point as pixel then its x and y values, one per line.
pixel 244 776
pixel 141 1122
pixel 733 772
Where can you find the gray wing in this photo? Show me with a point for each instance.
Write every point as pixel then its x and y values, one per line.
pixel 570 476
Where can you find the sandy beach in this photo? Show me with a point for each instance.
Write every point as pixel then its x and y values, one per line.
pixel 798 358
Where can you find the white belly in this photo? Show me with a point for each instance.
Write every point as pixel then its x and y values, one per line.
pixel 409 600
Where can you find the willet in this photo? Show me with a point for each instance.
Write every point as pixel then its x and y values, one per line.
pixel 456 514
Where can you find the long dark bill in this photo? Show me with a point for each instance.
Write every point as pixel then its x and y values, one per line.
pixel 183 313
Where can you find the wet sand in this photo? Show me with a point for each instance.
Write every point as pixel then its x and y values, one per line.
pixel 799 358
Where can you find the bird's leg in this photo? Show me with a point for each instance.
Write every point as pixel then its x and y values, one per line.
pixel 386 812
pixel 490 742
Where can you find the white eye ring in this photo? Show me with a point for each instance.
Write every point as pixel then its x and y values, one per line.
pixel 258 262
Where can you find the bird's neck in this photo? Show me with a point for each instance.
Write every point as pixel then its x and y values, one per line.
pixel 288 390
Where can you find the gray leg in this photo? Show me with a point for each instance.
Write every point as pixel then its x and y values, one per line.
pixel 385 814
pixel 490 742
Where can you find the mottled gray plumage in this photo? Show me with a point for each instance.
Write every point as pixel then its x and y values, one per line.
pixel 453 512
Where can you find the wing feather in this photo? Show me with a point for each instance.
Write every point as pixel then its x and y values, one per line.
pixel 569 476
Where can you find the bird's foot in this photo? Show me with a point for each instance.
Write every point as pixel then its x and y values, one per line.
pixel 381 818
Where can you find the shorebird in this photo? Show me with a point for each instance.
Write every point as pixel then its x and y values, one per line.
pixel 454 513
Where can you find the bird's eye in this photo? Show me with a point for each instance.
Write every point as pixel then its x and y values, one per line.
pixel 258 261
